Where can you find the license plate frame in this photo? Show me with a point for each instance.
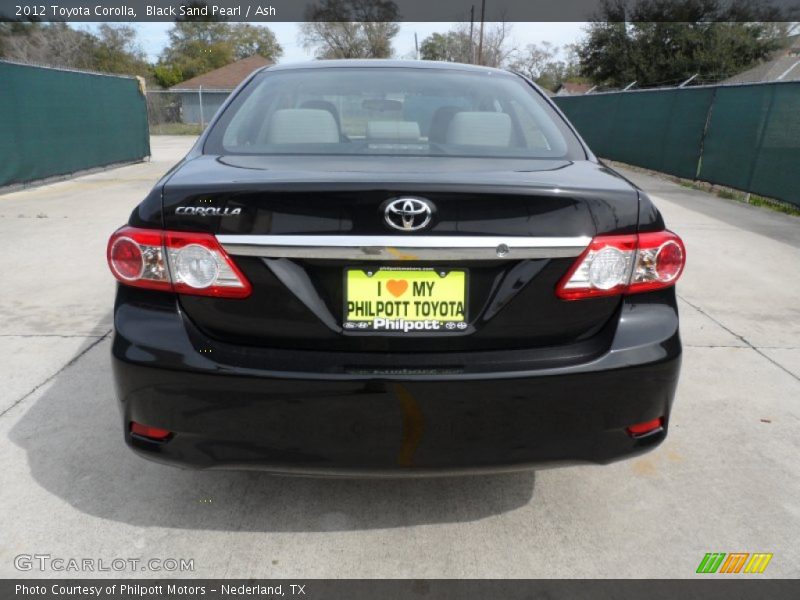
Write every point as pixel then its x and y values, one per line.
pixel 449 316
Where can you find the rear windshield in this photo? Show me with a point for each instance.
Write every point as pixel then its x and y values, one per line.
pixel 392 111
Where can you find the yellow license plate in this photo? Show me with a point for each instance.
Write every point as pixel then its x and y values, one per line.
pixel 405 300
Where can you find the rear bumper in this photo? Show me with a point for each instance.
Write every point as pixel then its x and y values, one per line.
pixel 306 413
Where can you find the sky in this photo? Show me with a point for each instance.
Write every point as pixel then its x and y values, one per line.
pixel 153 36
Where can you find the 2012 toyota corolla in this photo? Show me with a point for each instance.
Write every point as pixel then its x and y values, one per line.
pixel 380 268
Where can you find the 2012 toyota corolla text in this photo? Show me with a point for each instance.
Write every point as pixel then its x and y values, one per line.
pixel 380 268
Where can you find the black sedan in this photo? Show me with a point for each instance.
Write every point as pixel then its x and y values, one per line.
pixel 388 268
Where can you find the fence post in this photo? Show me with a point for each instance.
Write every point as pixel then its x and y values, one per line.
pixel 709 113
pixel 200 99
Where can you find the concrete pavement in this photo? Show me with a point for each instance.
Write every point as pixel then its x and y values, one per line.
pixel 726 480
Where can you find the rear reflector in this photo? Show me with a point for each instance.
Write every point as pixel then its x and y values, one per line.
pixel 153 433
pixel 186 263
pixel 640 429
pixel 624 264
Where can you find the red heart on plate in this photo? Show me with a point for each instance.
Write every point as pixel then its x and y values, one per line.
pixel 397 287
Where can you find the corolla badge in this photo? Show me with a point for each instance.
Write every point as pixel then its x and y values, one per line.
pixel 408 214
pixel 207 211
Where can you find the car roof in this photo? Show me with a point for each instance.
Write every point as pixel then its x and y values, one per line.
pixel 380 62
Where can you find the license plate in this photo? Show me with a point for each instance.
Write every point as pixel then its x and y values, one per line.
pixel 405 300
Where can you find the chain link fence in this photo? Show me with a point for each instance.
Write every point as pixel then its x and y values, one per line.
pixel 55 122
pixel 187 111
pixel 744 136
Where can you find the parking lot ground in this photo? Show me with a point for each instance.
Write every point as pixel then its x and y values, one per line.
pixel 726 480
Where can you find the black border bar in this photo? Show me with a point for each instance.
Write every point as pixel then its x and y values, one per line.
pixel 703 587
pixel 136 11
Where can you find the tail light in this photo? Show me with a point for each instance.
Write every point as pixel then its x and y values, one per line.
pixel 152 433
pixel 173 261
pixel 646 428
pixel 624 264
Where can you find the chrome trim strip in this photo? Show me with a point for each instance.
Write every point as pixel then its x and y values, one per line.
pixel 392 247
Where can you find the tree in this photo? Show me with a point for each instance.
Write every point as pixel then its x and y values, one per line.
pixel 9 31
pixel 115 50
pixel 167 75
pixel 53 44
pixel 535 60
pixel 662 42
pixel 350 28
pixel 496 44
pixel 540 63
pixel 456 45
pixel 249 40
pixel 196 47
pixel 452 46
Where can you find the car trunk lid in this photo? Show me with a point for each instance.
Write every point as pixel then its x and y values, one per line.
pixel 296 226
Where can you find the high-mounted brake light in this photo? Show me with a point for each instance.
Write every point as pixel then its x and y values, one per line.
pixel 175 261
pixel 624 264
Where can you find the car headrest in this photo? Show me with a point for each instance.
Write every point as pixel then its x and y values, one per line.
pixel 480 129
pixel 323 105
pixel 302 126
pixel 393 130
pixel 440 122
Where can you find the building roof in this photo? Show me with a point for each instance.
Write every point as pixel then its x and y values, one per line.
pixel 783 66
pixel 224 78
pixel 573 89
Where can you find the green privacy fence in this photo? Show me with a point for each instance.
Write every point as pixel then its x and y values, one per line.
pixel 55 122
pixel 745 136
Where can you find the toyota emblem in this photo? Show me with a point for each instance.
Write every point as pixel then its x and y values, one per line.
pixel 408 214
